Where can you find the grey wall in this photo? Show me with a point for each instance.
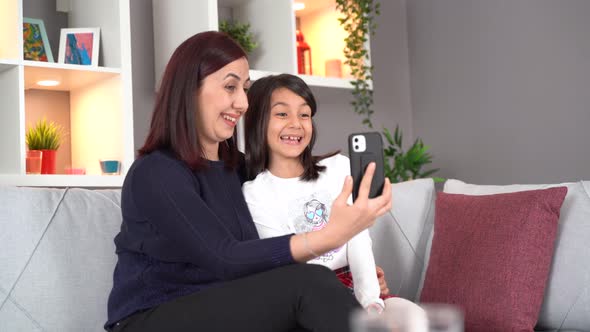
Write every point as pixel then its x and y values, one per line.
pixel 389 54
pixel 501 89
pixel 142 64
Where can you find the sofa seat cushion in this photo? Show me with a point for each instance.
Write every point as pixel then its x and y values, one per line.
pixel 491 255
pixel 566 305
pixel 57 256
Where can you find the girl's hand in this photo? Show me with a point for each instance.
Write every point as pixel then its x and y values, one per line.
pixel 384 290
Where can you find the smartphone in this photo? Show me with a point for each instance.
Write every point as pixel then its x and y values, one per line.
pixel 364 148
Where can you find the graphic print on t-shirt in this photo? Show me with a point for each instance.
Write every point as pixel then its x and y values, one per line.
pixel 315 214
pixel 312 216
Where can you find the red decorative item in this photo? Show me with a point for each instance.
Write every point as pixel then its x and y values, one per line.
pixel 303 55
pixel 48 161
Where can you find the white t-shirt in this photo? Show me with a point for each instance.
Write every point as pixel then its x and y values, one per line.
pixel 281 206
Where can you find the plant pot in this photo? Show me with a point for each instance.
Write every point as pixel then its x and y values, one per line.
pixel 48 162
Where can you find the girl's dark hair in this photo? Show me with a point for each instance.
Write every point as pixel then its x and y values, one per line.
pixel 256 125
pixel 173 126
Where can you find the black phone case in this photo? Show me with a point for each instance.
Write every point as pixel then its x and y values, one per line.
pixel 360 160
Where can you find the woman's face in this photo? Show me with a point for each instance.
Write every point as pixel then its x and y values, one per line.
pixel 289 126
pixel 221 100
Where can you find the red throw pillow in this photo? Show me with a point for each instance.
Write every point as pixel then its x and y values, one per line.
pixel 491 256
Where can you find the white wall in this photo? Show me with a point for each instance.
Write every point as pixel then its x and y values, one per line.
pixel 501 89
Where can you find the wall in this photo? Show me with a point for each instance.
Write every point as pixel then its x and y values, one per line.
pixel 500 89
pixel 142 53
pixel 389 54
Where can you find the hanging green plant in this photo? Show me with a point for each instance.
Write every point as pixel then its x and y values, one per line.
pixel 240 32
pixel 358 22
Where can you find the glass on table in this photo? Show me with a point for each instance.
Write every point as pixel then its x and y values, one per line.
pixel 440 318
pixel 443 317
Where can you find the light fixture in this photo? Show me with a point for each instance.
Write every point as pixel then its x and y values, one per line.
pixel 298 6
pixel 48 83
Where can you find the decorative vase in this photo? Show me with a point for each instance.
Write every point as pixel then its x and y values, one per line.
pixel 110 166
pixel 303 55
pixel 48 162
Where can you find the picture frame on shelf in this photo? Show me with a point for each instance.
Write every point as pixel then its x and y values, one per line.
pixel 35 42
pixel 79 46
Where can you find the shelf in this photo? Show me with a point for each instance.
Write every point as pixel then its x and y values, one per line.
pixel 329 82
pixel 94 104
pixel 4 67
pixel 71 77
pixel 8 63
pixel 102 181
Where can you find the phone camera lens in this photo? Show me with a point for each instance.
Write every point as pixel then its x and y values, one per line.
pixel 356 139
pixel 356 147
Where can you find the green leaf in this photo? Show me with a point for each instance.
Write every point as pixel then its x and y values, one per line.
pixel 240 32
pixel 44 136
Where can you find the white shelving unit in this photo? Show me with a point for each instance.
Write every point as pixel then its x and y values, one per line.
pixel 98 111
pixel 274 24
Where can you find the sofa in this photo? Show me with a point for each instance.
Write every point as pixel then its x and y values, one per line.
pixel 57 254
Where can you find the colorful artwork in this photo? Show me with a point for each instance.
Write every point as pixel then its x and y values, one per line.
pixel 35 43
pixel 79 46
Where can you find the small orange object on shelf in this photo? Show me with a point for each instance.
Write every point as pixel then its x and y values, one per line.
pixel 303 55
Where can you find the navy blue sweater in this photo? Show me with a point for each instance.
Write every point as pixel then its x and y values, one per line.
pixel 183 231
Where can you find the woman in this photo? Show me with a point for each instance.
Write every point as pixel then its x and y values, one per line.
pixel 291 191
pixel 189 256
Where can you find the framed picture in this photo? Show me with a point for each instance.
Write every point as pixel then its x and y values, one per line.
pixel 35 42
pixel 79 46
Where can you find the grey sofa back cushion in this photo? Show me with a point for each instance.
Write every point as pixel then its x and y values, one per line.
pixel 400 238
pixel 57 257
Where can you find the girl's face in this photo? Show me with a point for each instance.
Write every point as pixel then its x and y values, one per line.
pixel 289 126
pixel 221 101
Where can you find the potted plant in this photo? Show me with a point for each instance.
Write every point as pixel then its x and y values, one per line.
pixel 406 165
pixel 359 21
pixel 47 137
pixel 240 32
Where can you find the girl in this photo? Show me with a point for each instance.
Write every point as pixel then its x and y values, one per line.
pixel 290 191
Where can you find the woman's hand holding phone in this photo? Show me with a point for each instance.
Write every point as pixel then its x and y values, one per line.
pixel 348 220
pixel 345 220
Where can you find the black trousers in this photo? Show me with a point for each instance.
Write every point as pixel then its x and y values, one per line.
pixel 300 297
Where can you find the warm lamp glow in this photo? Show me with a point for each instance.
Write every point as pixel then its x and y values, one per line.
pixel 298 6
pixel 48 83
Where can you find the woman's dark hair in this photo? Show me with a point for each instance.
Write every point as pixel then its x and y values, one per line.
pixel 174 119
pixel 256 125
